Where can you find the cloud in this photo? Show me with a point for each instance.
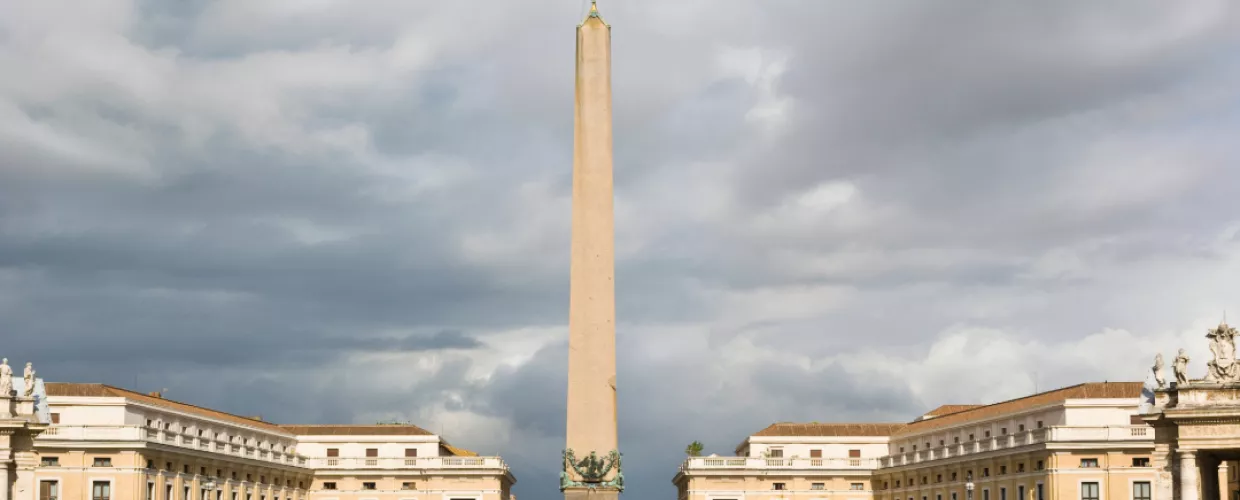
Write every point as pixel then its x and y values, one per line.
pixel 358 211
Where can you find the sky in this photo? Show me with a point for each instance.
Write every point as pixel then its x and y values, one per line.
pixel 347 211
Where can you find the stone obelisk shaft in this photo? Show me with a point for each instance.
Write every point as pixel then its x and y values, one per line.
pixel 592 302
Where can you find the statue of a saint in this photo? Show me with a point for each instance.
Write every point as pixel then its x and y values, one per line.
pixel 1181 368
pixel 6 378
pixel 28 376
pixel 1223 368
pixel 1160 374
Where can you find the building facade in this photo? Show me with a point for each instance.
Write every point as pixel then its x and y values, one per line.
pixel 1083 442
pixel 106 443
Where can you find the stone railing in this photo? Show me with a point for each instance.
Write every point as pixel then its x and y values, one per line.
pixel 407 463
pixel 777 463
pixel 1057 434
pixel 148 434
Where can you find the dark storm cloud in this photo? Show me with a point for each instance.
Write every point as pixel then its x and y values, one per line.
pixel 354 211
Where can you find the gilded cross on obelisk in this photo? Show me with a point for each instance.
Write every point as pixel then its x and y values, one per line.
pixel 591 459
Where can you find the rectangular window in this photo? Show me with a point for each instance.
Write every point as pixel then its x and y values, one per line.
pixel 368 486
pixel 55 418
pixel 185 493
pixel 818 486
pixel 1020 493
pixel 168 492
pixel 333 452
pixel 1002 470
pixel 1140 462
pixel 1003 431
pixel 1089 463
pixel 856 486
pixel 1002 493
pixel 150 491
pixel 1040 490
pixel 953 476
pixel 953 495
pixel 854 453
pixel 372 452
pixel 101 490
pixel 1089 491
pixel 411 452
pixel 1020 467
pixel 985 494
pixel 48 490
pixel 779 486
pixel 938 478
pixel 103 462
pixel 1039 424
pixel 50 461
pixel 1038 465
pixel 409 485
pixel 1141 490
pixel 776 453
pixel 329 486
pixel 985 471
pixel 815 453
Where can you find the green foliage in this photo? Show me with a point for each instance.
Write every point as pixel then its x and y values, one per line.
pixel 694 449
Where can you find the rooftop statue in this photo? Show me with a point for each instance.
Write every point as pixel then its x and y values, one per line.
pixel 1181 368
pixel 1223 368
pixel 1160 374
pixel 6 378
pixel 28 376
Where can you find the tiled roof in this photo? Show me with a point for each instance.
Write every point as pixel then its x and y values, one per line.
pixel 357 430
pixel 949 409
pixel 107 391
pixel 1095 390
pixel 817 429
pixel 456 452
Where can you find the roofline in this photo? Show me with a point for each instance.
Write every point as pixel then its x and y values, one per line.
pixel 261 423
pixel 1047 405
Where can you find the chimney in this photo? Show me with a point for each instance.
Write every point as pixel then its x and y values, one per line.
pixel 154 394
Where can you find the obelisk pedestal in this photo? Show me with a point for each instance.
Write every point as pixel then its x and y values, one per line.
pixel 591 468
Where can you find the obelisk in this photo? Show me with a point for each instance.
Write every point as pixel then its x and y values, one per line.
pixel 591 468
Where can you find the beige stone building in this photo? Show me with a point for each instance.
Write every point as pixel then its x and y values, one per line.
pixel 1084 442
pixel 106 443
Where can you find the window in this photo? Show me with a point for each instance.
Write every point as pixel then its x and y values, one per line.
pixel 1020 467
pixel 985 471
pixel 372 452
pixel 938 478
pixel 329 486
pixel 1021 428
pixel 1020 492
pixel 101 490
pixel 1037 465
pixel 953 495
pixel 1140 462
pixel 50 461
pixel 249 478
pixel 103 462
pixel 1039 424
pixel 1002 493
pixel 168 492
pixel 50 490
pixel 1089 463
pixel 956 440
pixel 55 418
pixel 150 464
pixel 150 491
pixel 368 486
pixel 779 486
pixel 815 453
pixel 1089 491
pixel 941 442
pixel 970 437
pixel 897 483
pixel 1002 470
pixel 168 466
pixel 854 453
pixel 987 434
pixel 856 486
pixel 262 479
pixel 411 452
pixel 1003 431
pixel 409 485
pixel 1039 494
pixel 985 494
pixel 901 449
pixel 953 476
pixel 202 471
pixel 776 453
pixel 925 479
pixel 186 493
pixel 818 486
pixel 333 452
pixel 1141 490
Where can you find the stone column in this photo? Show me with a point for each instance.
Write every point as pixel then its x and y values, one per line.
pixel 1164 468
pixel 1190 476
pixel 1223 477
